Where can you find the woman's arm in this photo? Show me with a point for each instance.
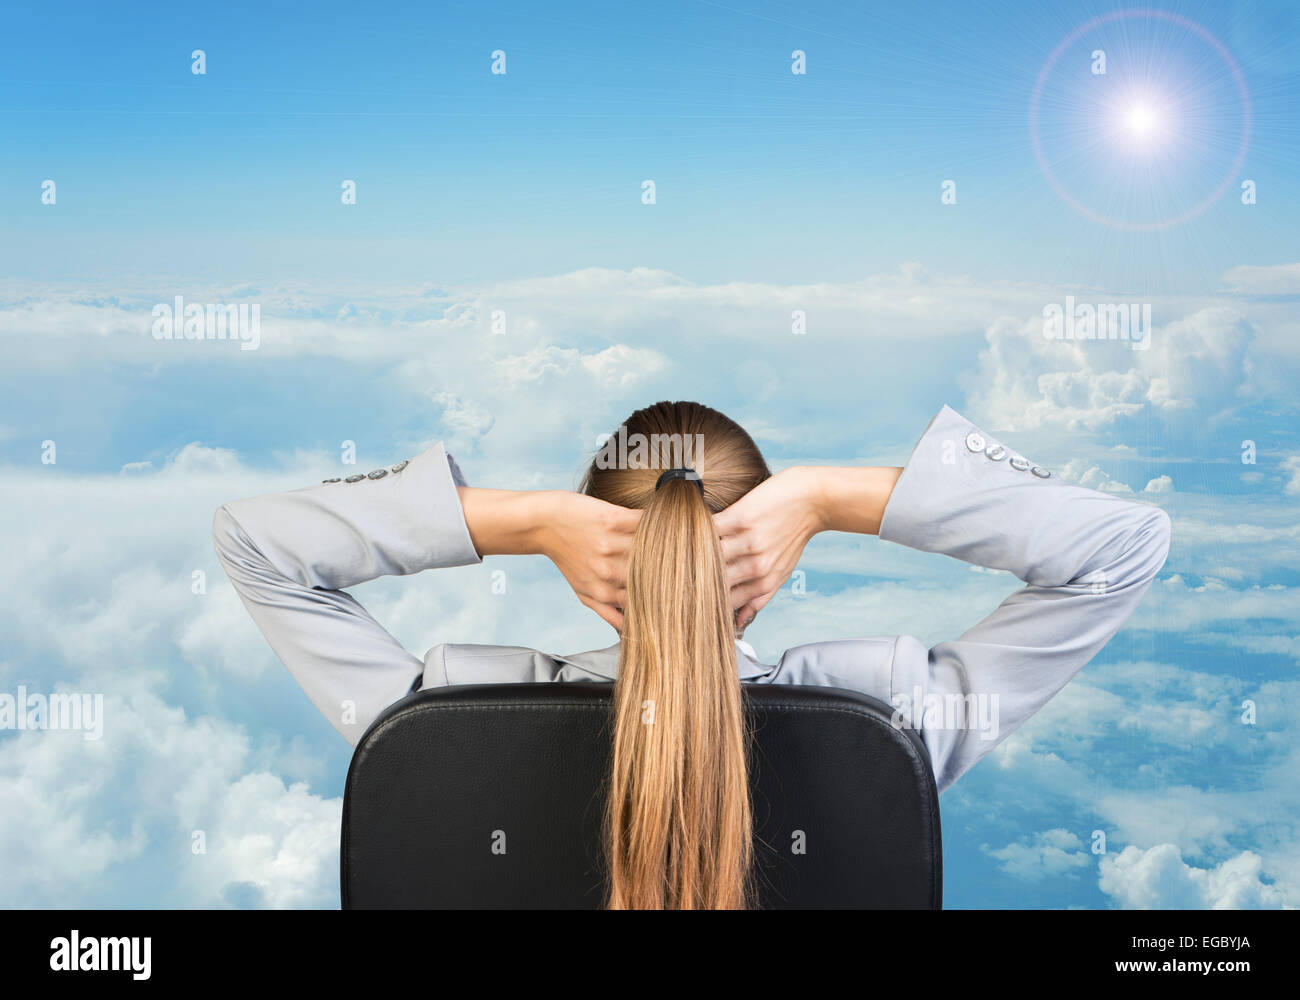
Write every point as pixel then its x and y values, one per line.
pixel 587 539
pixel 1087 558
pixel 764 534
pixel 854 499
pixel 291 555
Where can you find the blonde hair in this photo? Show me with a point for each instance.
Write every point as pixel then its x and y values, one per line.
pixel 678 824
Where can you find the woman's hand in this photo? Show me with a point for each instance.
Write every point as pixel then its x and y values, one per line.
pixel 764 533
pixel 589 541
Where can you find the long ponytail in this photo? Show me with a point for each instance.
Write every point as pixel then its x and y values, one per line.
pixel 678 823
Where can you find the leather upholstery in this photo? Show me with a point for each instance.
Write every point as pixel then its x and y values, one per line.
pixel 446 774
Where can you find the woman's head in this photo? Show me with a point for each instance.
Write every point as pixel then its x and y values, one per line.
pixel 678 824
pixel 675 435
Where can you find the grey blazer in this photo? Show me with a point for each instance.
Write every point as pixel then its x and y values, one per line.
pixel 1086 559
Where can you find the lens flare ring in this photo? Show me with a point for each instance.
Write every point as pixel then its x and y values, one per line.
pixel 1142 119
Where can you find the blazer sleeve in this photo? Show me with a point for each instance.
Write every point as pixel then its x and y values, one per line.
pixel 1086 559
pixel 291 555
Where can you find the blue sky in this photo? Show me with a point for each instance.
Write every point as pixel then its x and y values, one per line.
pixel 522 193
pixel 762 174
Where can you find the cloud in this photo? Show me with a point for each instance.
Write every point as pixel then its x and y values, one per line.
pixel 195 459
pixel 1133 749
pixel 1049 854
pixel 464 421
pixel 1272 279
pixel 107 605
pixel 1158 879
pixel 1025 381
pixel 1091 476
pixel 1153 752
pixel 1291 467
pixel 83 819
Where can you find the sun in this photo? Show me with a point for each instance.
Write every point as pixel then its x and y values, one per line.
pixel 1158 134
pixel 1144 124
pixel 1142 120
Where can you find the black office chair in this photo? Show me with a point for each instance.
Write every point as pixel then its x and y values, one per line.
pixel 492 797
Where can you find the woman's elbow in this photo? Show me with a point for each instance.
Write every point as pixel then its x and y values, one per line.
pixel 226 535
pixel 1148 547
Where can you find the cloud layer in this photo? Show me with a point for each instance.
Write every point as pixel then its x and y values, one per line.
pixel 209 744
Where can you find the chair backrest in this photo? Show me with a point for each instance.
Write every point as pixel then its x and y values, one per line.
pixel 493 796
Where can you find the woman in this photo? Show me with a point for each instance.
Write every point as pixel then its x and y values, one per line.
pixel 678 541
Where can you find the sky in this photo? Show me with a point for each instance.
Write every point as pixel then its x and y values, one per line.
pixel 938 179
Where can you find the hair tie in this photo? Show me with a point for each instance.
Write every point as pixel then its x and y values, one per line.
pixel 689 474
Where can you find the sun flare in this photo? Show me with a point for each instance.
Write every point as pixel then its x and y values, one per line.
pixel 1141 120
